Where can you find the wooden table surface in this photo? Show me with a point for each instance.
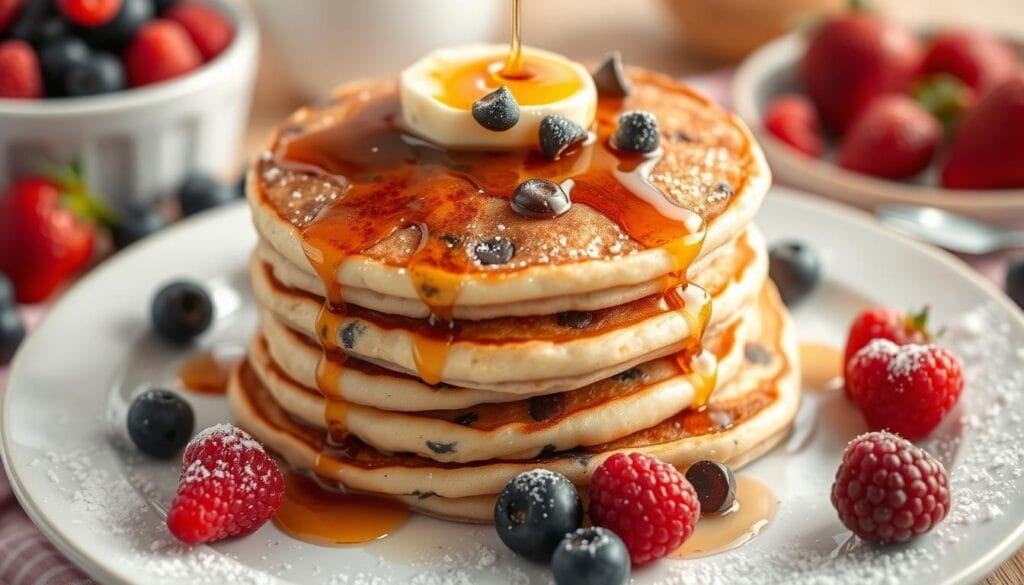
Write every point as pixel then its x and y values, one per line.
pixel 648 38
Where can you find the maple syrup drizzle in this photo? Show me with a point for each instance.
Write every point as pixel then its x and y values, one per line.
pixel 393 181
pixel 207 373
pixel 752 511
pixel 514 65
pixel 320 516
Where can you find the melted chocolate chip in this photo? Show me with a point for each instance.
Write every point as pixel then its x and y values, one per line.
pixel 715 485
pixel 723 189
pixel 497 250
pixel 547 452
pixel 467 419
pixel 575 319
pixel 637 132
pixel 540 199
pixel 629 375
pixel 441 448
pixel 610 77
pixel 581 457
pixel 497 111
pixel 422 495
pixel 545 407
pixel 558 134
pixel 756 353
pixel 350 333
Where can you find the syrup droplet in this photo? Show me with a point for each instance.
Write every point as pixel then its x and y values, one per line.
pixel 207 373
pixel 753 510
pixel 312 513
pixel 821 366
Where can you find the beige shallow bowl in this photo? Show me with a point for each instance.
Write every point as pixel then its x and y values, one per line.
pixel 772 71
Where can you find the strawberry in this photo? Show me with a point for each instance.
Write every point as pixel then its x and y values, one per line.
pixel 44 241
pixel 894 138
pixel 9 10
pixel 161 50
pixel 793 120
pixel 20 75
pixel 979 59
pixel 988 150
pixel 885 323
pixel 210 30
pixel 229 486
pixel 853 59
pixel 906 389
pixel 89 13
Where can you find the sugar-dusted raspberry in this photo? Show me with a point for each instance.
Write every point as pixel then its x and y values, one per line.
pixel 888 490
pixel 648 503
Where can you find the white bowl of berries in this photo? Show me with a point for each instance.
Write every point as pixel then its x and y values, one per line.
pixel 137 94
pixel 870 112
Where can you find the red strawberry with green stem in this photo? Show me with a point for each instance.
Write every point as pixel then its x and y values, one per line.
pixel 988 150
pixel 979 59
pixel 886 323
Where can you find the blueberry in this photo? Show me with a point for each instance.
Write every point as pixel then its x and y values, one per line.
pixel 610 77
pixel 715 486
pixel 181 311
pixel 796 270
pixel 200 192
pixel 160 423
pixel 240 183
pixel 540 199
pixel 535 511
pixel 102 73
pixel 39 23
pixel 497 111
pixel 591 556
pixel 115 35
pixel 558 134
pixel 6 291
pixel 1015 280
pixel 56 57
pixel 496 250
pixel 637 132
pixel 12 332
pixel 135 223
pixel 161 6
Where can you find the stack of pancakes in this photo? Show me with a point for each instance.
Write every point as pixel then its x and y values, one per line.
pixel 420 339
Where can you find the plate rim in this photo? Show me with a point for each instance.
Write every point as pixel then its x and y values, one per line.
pixel 978 568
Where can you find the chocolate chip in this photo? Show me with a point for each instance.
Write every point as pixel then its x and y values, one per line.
pixel 497 250
pixel 723 189
pixel 629 375
pixel 497 111
pixel 756 353
pixel 422 495
pixel 428 291
pixel 547 452
pixel 715 485
pixel 581 457
pixel 350 333
pixel 637 132
pixel 558 134
pixel 575 319
pixel 441 448
pixel 545 407
pixel 540 199
pixel 467 419
pixel 610 77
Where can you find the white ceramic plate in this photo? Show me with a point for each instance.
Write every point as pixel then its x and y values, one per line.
pixel 771 72
pixel 101 504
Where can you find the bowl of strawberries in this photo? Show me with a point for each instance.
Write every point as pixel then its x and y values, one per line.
pixel 137 94
pixel 872 112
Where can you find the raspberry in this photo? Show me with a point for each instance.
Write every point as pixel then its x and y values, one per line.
pixel 646 502
pixel 20 75
pixel 90 13
pixel 888 490
pixel 907 389
pixel 209 29
pixel 160 51
pixel 229 486
pixel 885 323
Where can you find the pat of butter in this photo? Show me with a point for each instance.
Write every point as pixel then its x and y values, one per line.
pixel 438 91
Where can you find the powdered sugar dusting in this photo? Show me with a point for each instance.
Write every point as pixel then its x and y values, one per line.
pixel 231 436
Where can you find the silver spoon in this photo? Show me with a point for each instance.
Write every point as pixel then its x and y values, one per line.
pixel 949 230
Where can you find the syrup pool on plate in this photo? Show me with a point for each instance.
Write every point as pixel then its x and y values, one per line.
pixel 821 365
pixel 752 511
pixel 207 372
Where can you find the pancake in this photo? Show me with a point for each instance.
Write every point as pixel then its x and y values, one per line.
pixel 531 354
pixel 597 413
pixel 757 414
pixel 297 357
pixel 309 195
